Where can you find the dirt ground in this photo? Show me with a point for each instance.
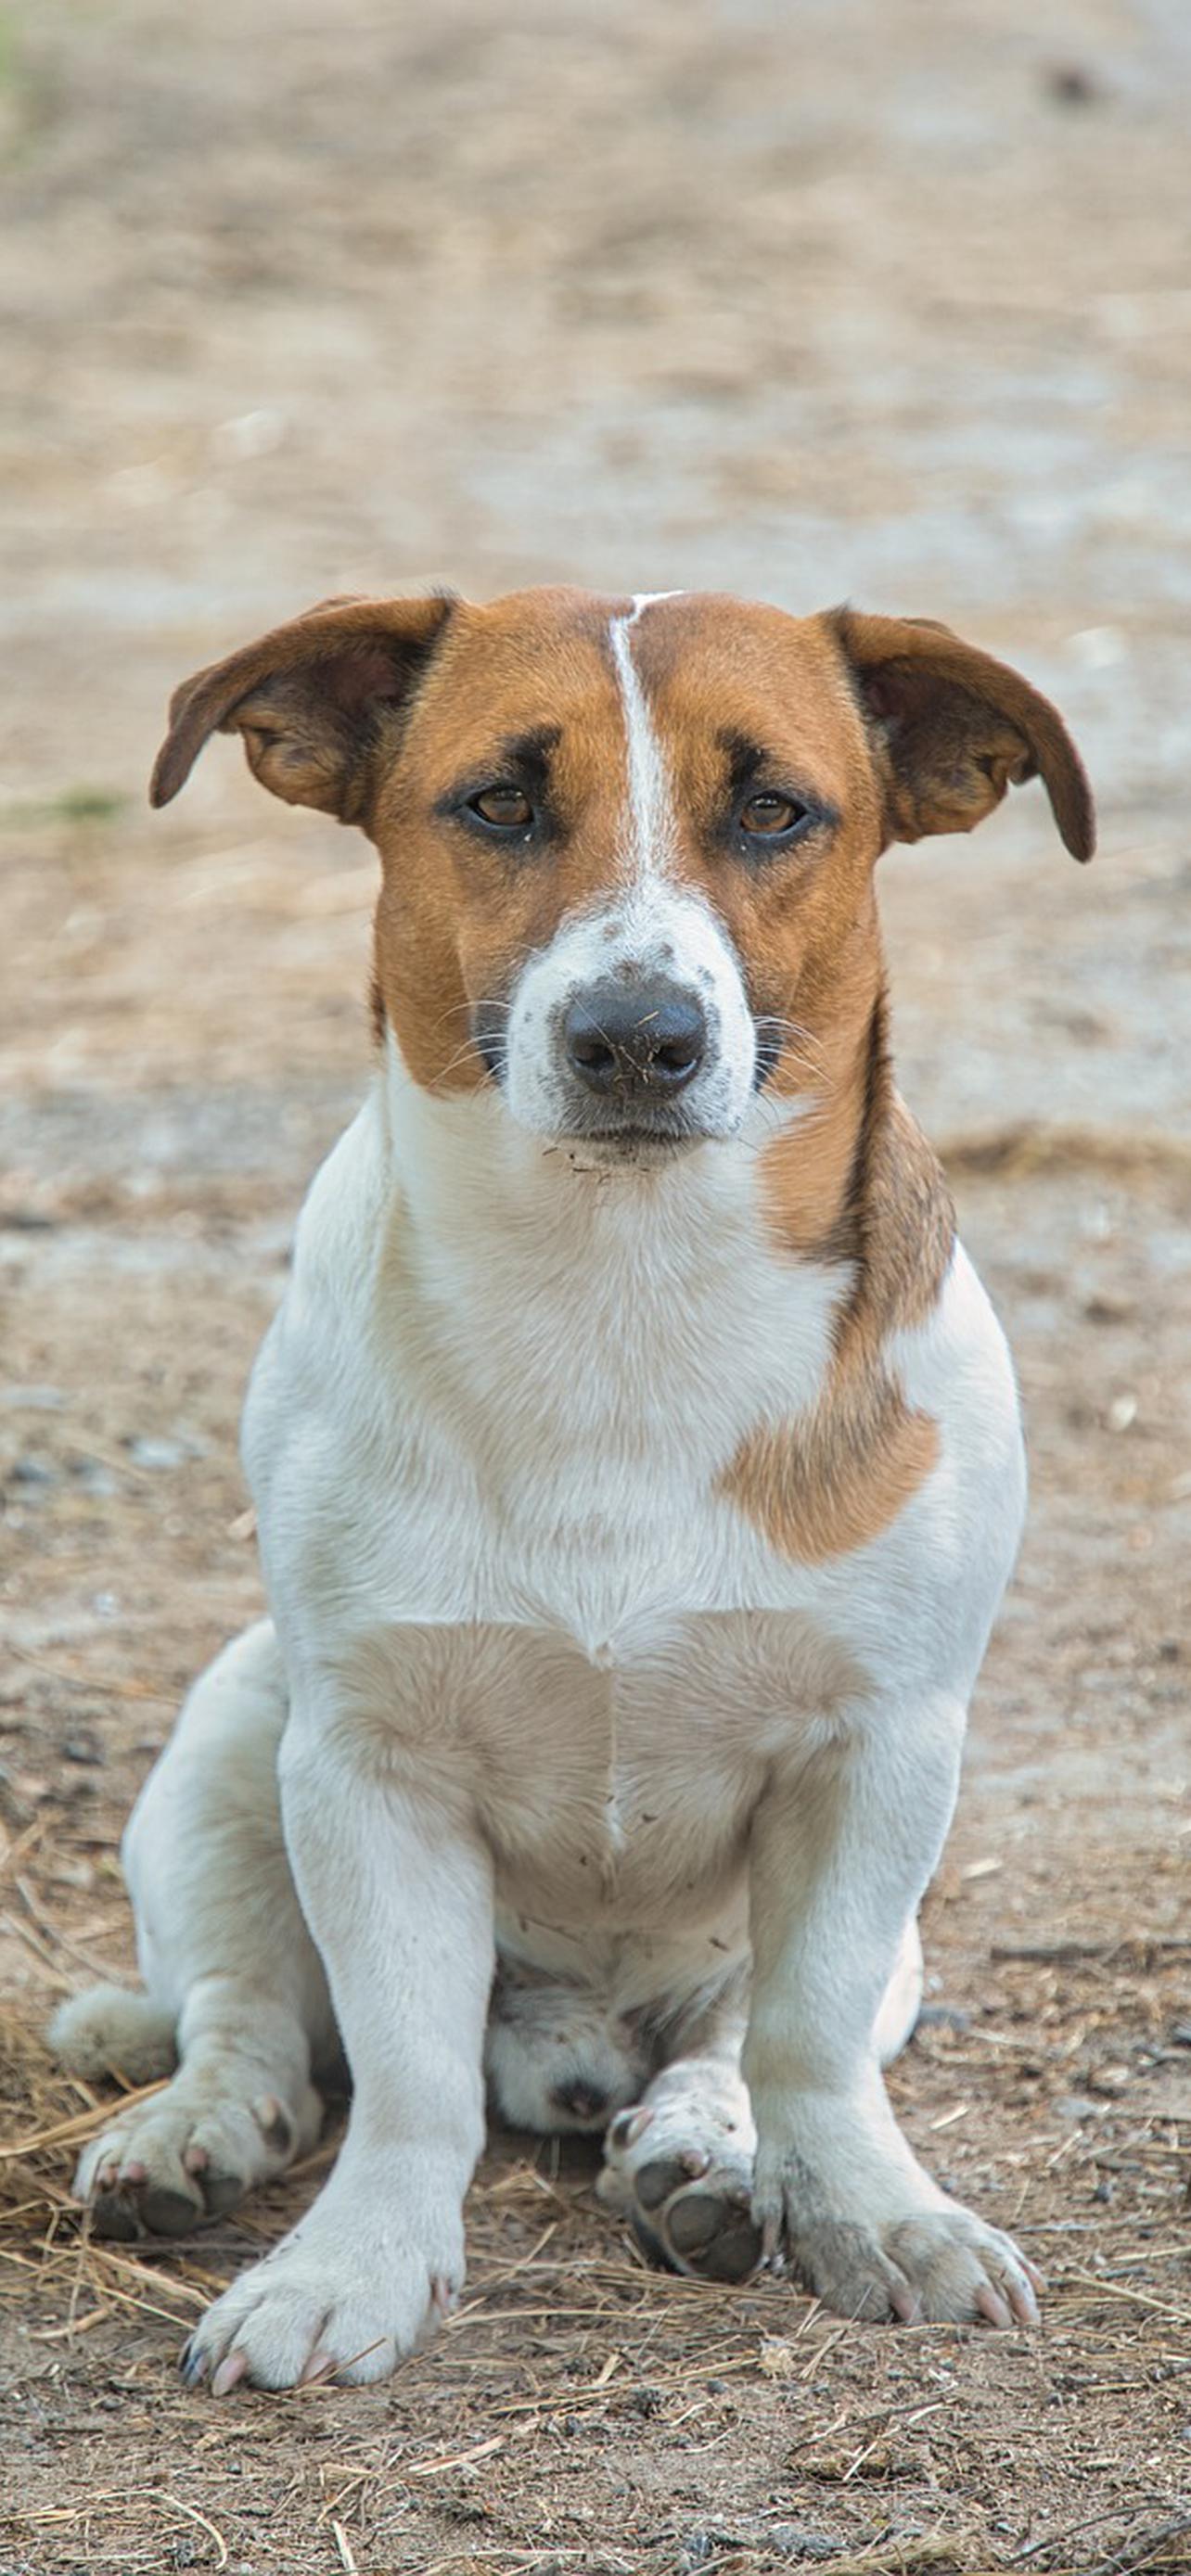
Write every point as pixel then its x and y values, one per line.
pixel 817 299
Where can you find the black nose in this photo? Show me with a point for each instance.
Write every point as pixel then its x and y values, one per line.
pixel 633 1039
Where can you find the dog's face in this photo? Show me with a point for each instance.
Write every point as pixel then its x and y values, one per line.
pixel 627 845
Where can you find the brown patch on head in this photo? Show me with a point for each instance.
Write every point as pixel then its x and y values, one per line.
pixel 528 678
pixel 746 699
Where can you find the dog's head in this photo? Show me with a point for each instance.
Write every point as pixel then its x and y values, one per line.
pixel 627 845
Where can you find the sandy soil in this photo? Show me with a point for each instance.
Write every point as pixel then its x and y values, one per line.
pixel 889 301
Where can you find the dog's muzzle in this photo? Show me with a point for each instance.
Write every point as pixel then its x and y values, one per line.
pixel 630 1032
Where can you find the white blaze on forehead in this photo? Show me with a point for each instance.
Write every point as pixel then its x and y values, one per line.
pixel 650 836
pixel 654 926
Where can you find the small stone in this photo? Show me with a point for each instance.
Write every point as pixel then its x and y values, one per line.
pixel 1071 85
pixel 156 1453
pixel 96 1480
pixel 701 2547
pixel 83 1747
pixel 1103 1309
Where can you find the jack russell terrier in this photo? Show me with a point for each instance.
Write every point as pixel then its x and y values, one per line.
pixel 638 1470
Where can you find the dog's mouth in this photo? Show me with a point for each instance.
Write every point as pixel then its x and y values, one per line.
pixel 630 1143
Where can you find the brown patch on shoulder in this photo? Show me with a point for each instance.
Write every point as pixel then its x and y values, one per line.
pixel 827 1484
pixel 835 1478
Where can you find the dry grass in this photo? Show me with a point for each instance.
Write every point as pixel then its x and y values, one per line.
pixel 581 2413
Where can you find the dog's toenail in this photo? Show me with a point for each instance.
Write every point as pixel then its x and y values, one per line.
pixel 991 2305
pixel 229 2374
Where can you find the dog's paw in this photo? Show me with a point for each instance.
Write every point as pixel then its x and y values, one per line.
pixel 681 2172
pixel 325 2304
pixel 167 2165
pixel 932 2264
pixel 958 2267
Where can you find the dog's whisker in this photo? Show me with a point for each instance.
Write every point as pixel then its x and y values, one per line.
pixel 805 1040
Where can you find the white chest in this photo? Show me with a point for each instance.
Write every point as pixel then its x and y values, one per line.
pixel 515 1403
pixel 486 1439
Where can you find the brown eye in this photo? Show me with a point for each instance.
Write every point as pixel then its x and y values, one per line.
pixel 505 808
pixel 767 815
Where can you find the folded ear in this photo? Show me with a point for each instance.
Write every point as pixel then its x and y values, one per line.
pixel 310 700
pixel 951 729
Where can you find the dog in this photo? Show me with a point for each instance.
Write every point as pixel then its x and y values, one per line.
pixel 638 1469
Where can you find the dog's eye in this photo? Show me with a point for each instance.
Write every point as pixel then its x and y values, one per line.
pixel 768 816
pixel 505 809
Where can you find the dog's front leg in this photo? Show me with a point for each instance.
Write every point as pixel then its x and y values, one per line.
pixel 843 1845
pixel 396 1887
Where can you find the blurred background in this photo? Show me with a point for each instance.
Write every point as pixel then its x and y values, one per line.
pixel 804 297
pixel 814 299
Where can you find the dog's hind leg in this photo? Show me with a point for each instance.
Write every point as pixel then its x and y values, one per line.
pixel 679 2164
pixel 234 1986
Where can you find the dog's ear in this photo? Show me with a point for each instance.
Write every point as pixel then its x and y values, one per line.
pixel 310 700
pixel 952 729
